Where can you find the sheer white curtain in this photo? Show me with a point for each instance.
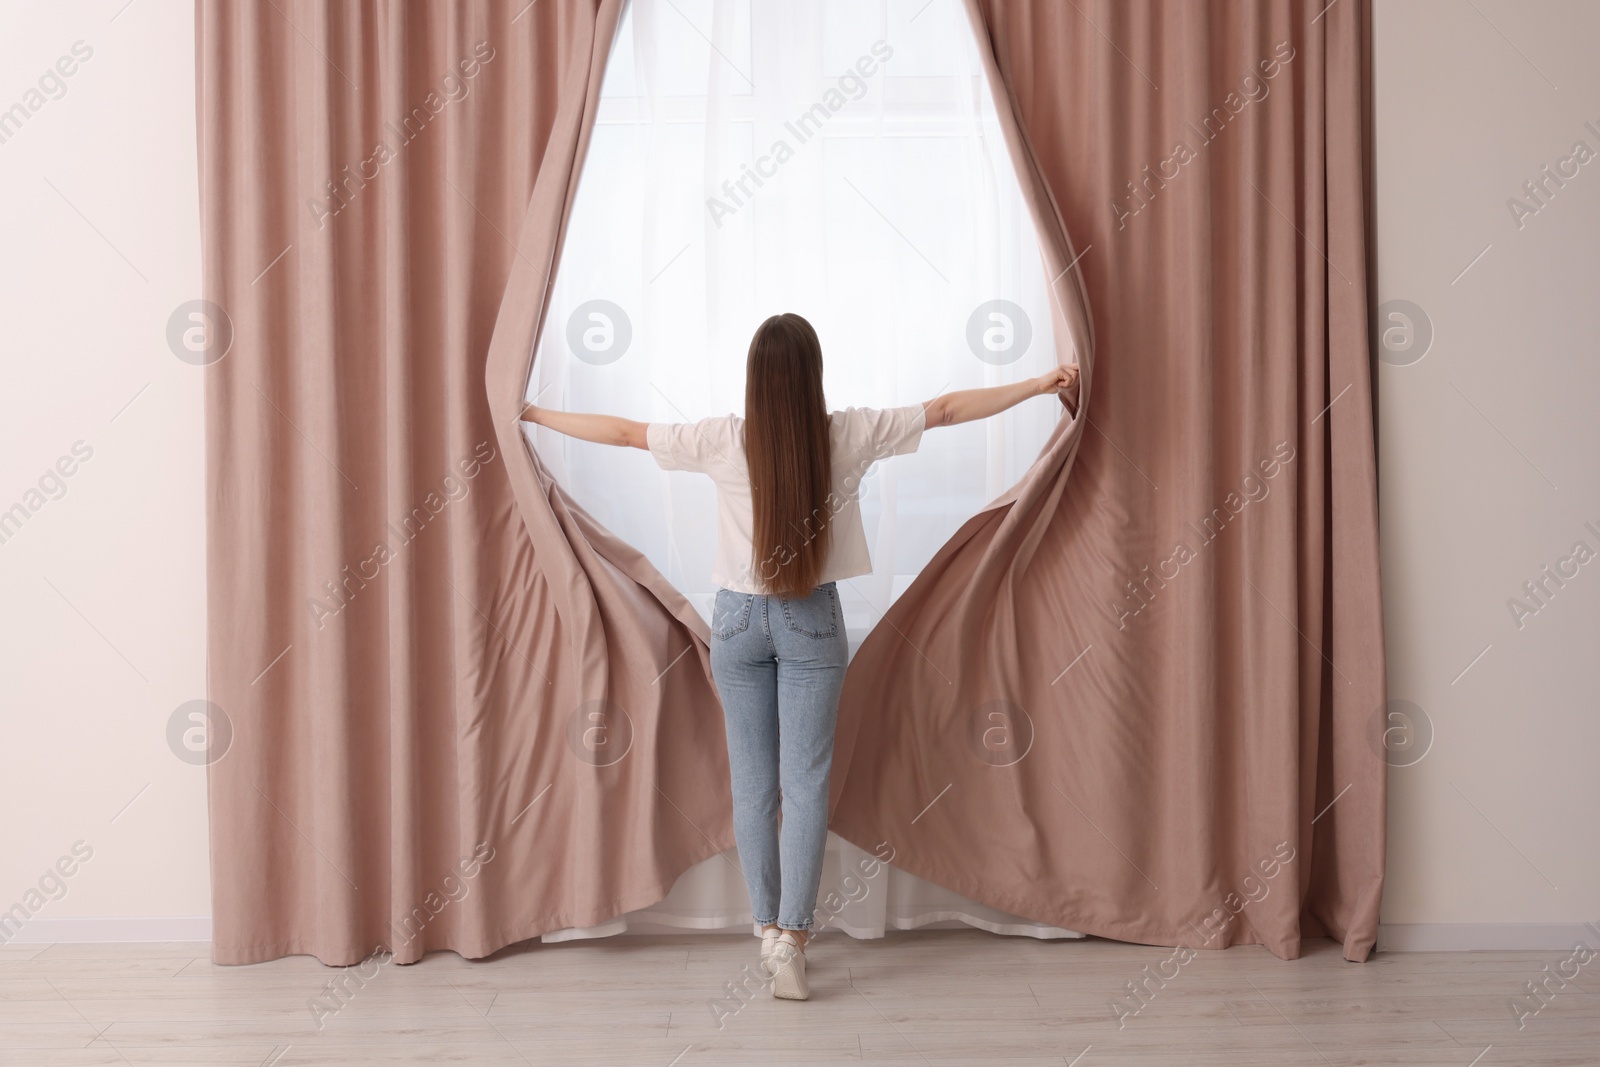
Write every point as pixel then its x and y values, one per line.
pixel 839 159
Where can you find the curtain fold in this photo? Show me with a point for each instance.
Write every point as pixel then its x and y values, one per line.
pixel 1135 695
pixel 461 714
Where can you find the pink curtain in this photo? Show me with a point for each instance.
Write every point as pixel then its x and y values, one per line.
pixel 461 715
pixel 1134 696
pixel 464 714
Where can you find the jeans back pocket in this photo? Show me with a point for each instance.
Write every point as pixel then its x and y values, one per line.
pixel 730 613
pixel 816 615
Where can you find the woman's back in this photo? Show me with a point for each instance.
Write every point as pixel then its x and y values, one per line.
pixel 858 437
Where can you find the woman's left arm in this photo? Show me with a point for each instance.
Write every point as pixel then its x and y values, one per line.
pixel 601 429
pixel 967 405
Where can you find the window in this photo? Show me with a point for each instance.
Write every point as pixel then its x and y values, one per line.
pixel 841 160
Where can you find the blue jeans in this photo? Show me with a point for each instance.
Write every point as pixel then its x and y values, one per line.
pixel 779 665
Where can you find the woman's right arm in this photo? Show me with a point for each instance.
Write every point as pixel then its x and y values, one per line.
pixel 966 405
pixel 601 429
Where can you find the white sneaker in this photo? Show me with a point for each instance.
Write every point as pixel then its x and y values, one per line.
pixel 788 967
pixel 769 938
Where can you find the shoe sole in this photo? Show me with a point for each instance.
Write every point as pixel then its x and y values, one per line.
pixel 786 985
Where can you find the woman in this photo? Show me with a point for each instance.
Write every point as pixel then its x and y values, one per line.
pixel 788 477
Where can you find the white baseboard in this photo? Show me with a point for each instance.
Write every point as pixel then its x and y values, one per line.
pixel 1478 937
pixel 1392 937
pixel 48 930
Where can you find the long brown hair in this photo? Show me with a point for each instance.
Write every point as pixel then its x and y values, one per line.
pixel 786 447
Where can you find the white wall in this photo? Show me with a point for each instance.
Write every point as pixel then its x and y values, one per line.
pixel 1490 458
pixel 1490 465
pixel 102 634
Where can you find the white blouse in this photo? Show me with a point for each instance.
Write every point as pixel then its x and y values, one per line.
pixel 858 437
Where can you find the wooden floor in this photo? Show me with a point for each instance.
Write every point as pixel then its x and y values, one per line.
pixel 956 997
